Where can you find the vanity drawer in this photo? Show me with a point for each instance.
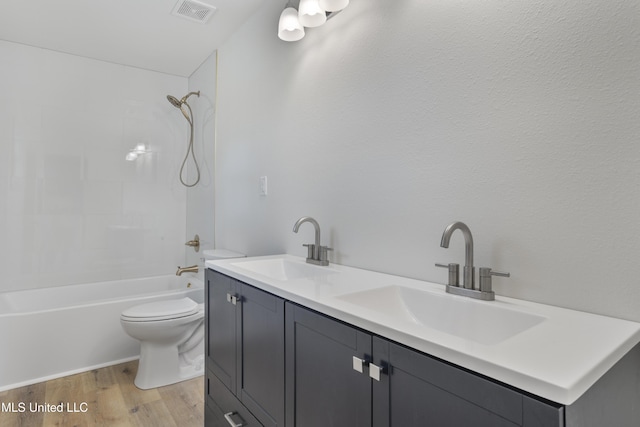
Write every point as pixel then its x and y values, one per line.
pixel 223 408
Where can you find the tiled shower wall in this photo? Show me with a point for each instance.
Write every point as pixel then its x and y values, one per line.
pixel 72 209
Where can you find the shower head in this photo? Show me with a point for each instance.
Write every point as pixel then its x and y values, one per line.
pixel 174 101
pixel 178 103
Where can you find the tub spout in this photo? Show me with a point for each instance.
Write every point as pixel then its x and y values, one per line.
pixel 191 269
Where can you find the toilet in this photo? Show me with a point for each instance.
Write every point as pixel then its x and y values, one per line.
pixel 171 335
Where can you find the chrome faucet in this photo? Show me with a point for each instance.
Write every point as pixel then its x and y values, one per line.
pixel 453 287
pixel 191 269
pixel 316 254
pixel 469 271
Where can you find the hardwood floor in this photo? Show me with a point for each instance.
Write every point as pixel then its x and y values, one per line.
pixel 103 397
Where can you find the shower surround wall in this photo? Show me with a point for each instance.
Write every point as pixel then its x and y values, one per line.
pixel 72 210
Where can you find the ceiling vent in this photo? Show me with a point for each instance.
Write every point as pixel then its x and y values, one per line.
pixel 193 10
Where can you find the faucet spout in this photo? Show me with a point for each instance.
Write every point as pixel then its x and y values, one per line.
pixel 468 250
pixel 316 254
pixel 315 224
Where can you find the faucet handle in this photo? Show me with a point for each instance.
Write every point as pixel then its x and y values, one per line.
pixel 322 253
pixel 310 249
pixel 485 274
pixel 454 269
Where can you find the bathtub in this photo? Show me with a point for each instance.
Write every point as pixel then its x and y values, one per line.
pixel 53 332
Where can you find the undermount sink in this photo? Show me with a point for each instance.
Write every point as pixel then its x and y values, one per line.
pixel 283 269
pixel 483 322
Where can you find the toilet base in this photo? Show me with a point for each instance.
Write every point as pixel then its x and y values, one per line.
pixel 160 365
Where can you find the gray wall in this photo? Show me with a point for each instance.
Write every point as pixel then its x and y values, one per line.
pixel 394 119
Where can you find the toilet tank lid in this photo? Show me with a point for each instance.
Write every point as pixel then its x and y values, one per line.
pixel 174 307
pixel 221 254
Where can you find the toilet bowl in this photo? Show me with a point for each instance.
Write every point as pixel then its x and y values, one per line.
pixel 171 335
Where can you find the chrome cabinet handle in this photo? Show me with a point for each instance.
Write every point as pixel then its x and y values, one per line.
pixel 233 299
pixel 230 420
pixel 359 364
pixel 375 371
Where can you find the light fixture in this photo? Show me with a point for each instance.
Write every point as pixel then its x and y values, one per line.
pixel 333 5
pixel 310 14
pixel 289 27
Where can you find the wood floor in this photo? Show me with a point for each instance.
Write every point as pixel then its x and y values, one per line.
pixel 108 397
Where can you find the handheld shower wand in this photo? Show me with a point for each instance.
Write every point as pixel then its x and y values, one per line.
pixel 180 104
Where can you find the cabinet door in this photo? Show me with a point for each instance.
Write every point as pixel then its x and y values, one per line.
pixel 221 328
pixel 323 389
pixel 423 391
pixel 261 386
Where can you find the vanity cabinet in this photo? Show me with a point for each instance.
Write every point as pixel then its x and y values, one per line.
pixel 323 390
pixel 418 390
pixel 275 363
pixel 244 352
pixel 330 366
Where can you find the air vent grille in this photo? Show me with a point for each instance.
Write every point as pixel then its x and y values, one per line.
pixel 193 10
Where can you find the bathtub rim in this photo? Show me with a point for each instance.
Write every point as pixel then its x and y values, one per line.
pixel 199 284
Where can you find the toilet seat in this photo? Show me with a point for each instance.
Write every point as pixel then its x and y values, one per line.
pixel 161 310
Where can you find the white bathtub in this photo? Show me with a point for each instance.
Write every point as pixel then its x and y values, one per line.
pixel 54 332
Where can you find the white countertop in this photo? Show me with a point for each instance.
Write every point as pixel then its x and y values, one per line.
pixel 558 359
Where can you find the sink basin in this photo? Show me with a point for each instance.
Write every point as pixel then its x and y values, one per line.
pixel 283 269
pixel 483 322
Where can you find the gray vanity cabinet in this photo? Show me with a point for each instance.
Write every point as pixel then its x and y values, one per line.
pixel 244 348
pixel 325 387
pixel 220 335
pixel 322 388
pixel 420 390
pixel 273 363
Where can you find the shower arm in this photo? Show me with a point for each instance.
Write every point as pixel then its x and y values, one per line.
pixel 184 98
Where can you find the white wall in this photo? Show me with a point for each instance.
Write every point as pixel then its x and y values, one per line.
pixel 200 198
pixel 72 210
pixel 519 118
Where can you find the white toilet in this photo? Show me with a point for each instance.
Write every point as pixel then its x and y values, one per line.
pixel 171 335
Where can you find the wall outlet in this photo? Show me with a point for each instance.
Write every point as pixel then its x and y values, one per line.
pixel 263 186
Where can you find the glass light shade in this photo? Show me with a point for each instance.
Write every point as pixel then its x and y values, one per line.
pixel 311 14
pixel 289 27
pixel 333 5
